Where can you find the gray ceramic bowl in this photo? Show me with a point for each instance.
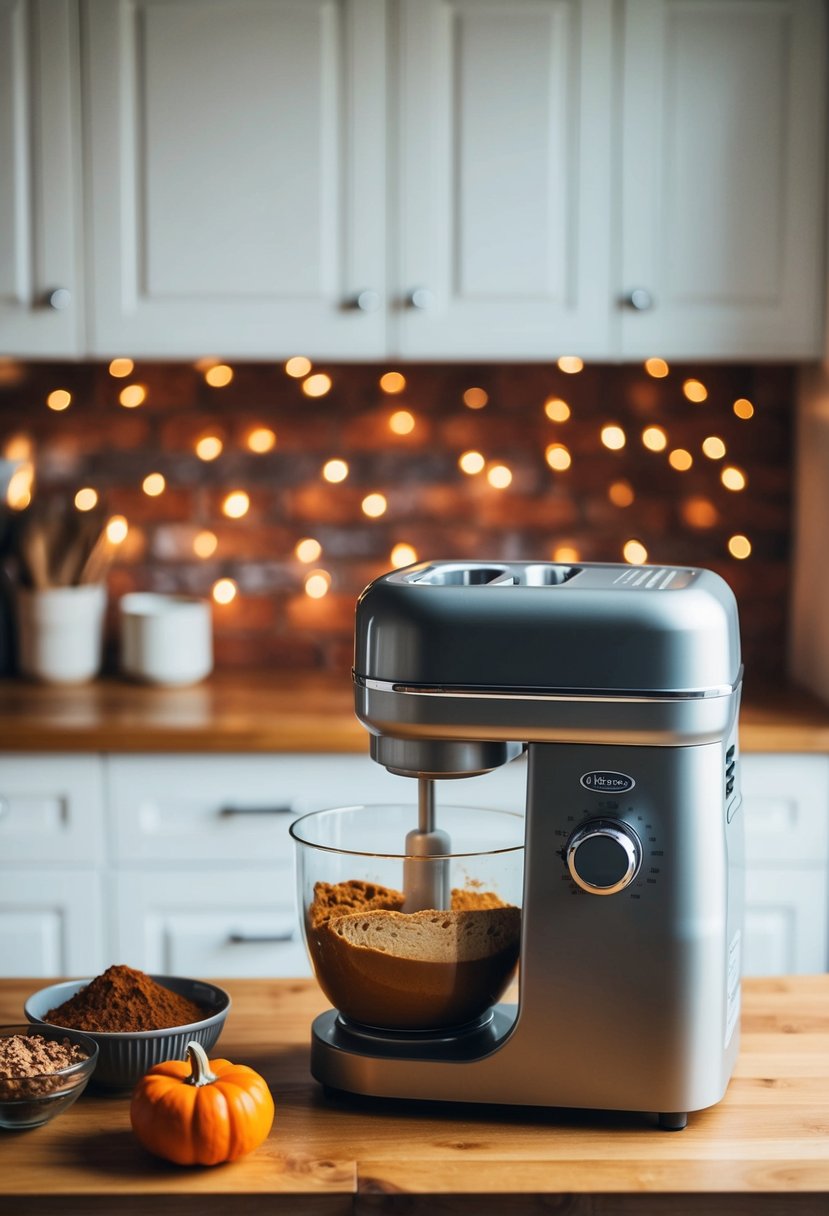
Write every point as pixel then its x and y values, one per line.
pixel 124 1057
pixel 31 1101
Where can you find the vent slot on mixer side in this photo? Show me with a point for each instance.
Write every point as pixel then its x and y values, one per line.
pixel 731 784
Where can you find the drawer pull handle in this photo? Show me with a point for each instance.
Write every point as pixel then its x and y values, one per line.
pixel 257 810
pixel 258 939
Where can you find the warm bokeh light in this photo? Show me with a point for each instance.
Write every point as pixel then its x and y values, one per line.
pixel 209 447
pixel 132 395
pixel 224 590
pixel 743 408
pixel 739 546
pixel 680 459
pixel 18 447
pixel 119 368
pixel 205 543
pixel 471 462
pixel 654 438
pixel 475 398
pixel 218 375
pixel 308 549
pixel 19 489
pixel 236 504
pixel 261 439
pixel 117 529
pixel 392 382
pixel 621 493
pixel 86 498
pixel 634 552
pixel 374 505
pixel 317 584
pixel 403 555
pixel 298 366
pixel 613 437
pixel 713 447
pixel 570 364
pixel 565 553
pixel 317 385
pixel 695 390
pixel 499 476
pixel 700 513
pixel 558 456
pixel 402 422
pixel 154 484
pixel 657 368
pixel 733 478
pixel 59 399
pixel 335 470
pixel 556 409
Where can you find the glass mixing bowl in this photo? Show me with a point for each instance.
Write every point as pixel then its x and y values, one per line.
pixel 425 970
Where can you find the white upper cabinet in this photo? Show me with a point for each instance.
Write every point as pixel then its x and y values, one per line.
pixel 237 184
pixel 723 167
pixel 40 288
pixel 503 178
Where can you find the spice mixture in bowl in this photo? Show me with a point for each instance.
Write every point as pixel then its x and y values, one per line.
pixel 137 1020
pixel 41 1073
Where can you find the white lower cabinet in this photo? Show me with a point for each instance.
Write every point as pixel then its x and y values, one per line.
pixel 51 921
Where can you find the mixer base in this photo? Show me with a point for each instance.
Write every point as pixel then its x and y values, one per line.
pixel 673 1122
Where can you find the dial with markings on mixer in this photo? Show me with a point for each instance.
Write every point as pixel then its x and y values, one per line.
pixel 603 856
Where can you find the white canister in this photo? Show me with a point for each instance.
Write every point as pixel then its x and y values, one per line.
pixel 60 632
pixel 165 639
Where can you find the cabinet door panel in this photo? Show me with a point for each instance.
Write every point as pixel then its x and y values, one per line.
pixel 502 218
pixel 237 174
pixel 722 177
pixel 785 921
pixel 51 809
pixel 786 808
pixel 51 922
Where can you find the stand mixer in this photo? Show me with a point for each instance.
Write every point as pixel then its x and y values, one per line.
pixel 623 685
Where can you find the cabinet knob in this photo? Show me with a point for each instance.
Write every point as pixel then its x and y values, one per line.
pixel 421 298
pixel 639 299
pixel 59 298
pixel 365 300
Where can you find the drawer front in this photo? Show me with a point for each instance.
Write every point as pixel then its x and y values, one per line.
pixel 51 922
pixel 214 922
pixel 785 921
pixel 51 809
pixel 786 808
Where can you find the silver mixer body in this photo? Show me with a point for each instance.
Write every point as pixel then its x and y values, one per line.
pixel 623 684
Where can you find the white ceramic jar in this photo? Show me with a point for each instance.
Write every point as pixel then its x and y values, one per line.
pixel 165 639
pixel 60 632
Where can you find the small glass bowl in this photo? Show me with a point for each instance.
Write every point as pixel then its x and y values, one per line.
pixel 424 971
pixel 31 1101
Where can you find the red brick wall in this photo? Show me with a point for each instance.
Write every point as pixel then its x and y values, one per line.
pixel 432 504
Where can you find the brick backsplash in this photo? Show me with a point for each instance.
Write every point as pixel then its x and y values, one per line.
pixel 684 517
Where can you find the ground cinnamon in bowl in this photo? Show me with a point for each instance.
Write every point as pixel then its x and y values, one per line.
pixel 123 1000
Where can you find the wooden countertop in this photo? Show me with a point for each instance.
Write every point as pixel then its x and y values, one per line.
pixel 284 712
pixel 763 1150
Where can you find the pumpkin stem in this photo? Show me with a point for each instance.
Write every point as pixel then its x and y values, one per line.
pixel 200 1066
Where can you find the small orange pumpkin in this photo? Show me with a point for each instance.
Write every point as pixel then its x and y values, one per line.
pixel 199 1111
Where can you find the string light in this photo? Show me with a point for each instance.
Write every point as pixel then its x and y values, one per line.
pixel 403 555
pixel 209 447
pixel 317 584
pixel 733 478
pixel 236 504
pixel 695 390
pixel 657 368
pixel 308 549
pixel 556 409
pixel 739 546
pixel 613 437
pixel 743 408
pixel 700 513
pixel 571 364
pixel 471 462
pixel 374 505
pixel 558 456
pixel 680 459
pixel 86 499
pixel 119 368
pixel 654 438
pixel 298 366
pixel 59 399
pixel 117 529
pixel 475 398
pixel 392 382
pixel 565 553
pixel 634 552
pixel 224 591
pixel 335 470
pixel 261 439
pixel 621 493
pixel 132 395
pixel 499 476
pixel 219 375
pixel 402 422
pixel 713 447
pixel 19 489
pixel 205 543
pixel 18 447
pixel 317 385
pixel 154 484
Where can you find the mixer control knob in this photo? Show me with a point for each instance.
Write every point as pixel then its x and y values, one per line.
pixel 603 856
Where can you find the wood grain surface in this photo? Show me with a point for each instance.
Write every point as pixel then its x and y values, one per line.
pixel 281 711
pixel 763 1151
